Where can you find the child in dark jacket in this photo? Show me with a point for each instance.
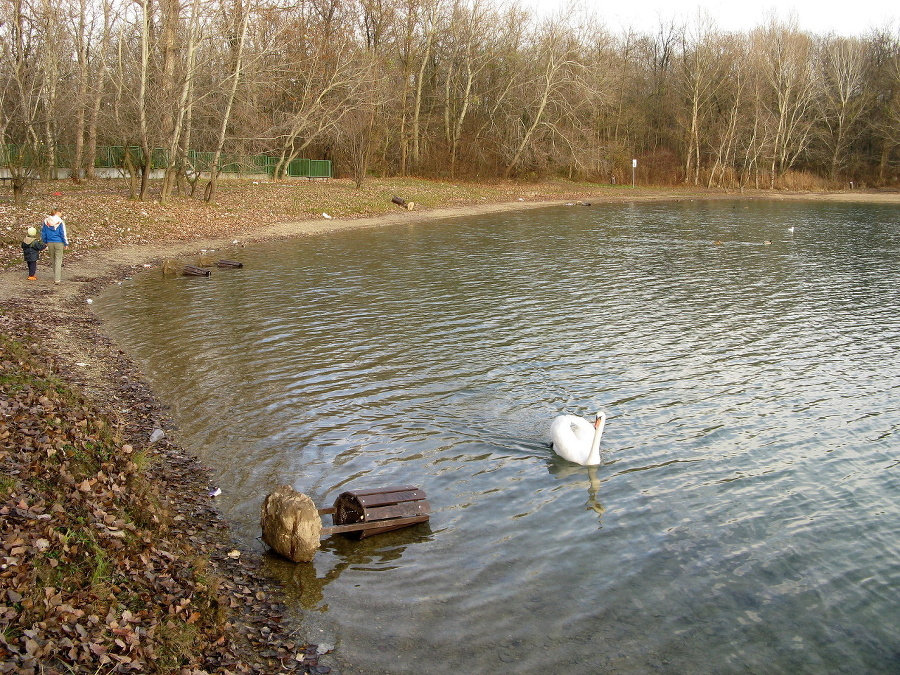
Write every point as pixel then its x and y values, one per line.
pixel 31 249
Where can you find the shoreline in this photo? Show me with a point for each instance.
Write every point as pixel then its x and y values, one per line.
pixel 95 265
pixel 86 358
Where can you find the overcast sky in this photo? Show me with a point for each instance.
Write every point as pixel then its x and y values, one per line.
pixel 853 17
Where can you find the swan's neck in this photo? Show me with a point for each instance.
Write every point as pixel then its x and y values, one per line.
pixel 594 454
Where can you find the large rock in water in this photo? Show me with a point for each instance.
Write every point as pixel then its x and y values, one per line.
pixel 291 524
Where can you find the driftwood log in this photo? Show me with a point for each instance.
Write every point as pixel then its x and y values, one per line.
pixel 229 263
pixel 194 271
pixel 399 201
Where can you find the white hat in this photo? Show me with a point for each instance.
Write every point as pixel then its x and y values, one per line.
pixel 32 232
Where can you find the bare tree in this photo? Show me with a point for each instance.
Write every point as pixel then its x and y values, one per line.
pixel 844 99
pixel 358 127
pixel 241 19
pixel 885 122
pixel 144 78
pixel 315 85
pixel 177 150
pixel 555 64
pixel 731 131
pixel 467 56
pixel 20 95
pixel 788 94
pixel 699 73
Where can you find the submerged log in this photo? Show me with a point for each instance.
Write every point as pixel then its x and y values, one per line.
pixel 229 263
pixel 192 271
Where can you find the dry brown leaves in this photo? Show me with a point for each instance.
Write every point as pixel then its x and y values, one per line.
pixel 100 569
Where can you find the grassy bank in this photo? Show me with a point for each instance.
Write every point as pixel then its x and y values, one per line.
pixel 92 576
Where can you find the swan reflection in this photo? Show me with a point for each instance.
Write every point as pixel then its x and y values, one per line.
pixel 567 471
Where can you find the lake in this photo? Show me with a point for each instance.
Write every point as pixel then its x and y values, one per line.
pixel 745 514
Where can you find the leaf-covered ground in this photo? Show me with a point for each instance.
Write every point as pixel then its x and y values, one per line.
pixel 112 557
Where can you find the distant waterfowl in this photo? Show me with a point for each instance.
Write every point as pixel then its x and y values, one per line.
pixel 577 440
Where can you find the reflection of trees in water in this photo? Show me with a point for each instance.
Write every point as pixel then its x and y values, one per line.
pixel 566 470
pixel 374 554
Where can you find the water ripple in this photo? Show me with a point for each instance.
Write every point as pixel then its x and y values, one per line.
pixel 743 517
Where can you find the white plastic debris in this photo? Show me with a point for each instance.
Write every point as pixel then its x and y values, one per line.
pixel 156 435
pixel 216 492
pixel 325 215
pixel 90 302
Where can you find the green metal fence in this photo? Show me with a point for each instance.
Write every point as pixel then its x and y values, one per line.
pixel 310 168
pixel 118 156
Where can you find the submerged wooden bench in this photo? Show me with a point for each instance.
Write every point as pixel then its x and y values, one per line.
pixel 366 512
pixel 292 525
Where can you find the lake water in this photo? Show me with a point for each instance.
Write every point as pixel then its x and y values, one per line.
pixel 745 517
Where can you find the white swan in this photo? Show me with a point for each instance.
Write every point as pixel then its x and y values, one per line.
pixel 577 440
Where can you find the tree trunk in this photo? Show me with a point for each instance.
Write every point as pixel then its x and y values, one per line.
pixel 142 100
pixel 226 114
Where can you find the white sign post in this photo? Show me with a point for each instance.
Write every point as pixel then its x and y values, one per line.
pixel 633 167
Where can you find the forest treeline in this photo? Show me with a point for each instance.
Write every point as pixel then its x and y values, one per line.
pixel 468 89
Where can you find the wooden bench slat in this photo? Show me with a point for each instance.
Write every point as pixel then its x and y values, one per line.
pixel 397 510
pixel 378 525
pixel 380 499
